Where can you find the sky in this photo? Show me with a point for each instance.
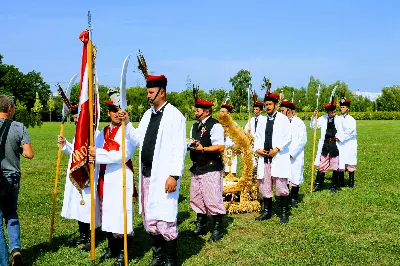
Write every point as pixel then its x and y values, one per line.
pixel 353 41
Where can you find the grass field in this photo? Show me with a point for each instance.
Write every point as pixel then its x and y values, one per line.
pixel 352 227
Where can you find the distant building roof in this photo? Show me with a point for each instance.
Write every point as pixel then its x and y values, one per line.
pixel 370 95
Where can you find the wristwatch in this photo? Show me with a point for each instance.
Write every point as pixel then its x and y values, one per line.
pixel 202 151
pixel 176 177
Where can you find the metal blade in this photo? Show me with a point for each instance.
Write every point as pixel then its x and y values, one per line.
pixel 122 87
pixel 65 110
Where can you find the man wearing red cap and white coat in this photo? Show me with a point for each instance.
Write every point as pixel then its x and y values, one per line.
pixel 329 151
pixel 296 149
pixel 206 186
pixel 72 209
pixel 271 143
pixel 348 144
pixel 257 110
pixel 162 137
pixel 108 156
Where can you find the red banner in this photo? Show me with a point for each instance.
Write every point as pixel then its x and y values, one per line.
pixel 79 171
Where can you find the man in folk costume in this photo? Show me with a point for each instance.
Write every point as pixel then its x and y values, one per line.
pixel 348 143
pixel 271 143
pixel 296 149
pixel 72 209
pixel 257 110
pixel 206 186
pixel 226 108
pixel 108 156
pixel 328 148
pixel 162 138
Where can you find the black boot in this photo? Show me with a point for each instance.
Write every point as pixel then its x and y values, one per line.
pixel 217 231
pixel 86 238
pixel 119 241
pixel 112 250
pixel 267 212
pixel 201 226
pixel 158 247
pixel 319 181
pixel 284 202
pixel 79 240
pixel 335 182
pixel 294 195
pixel 351 179
pixel 172 259
pixel 341 179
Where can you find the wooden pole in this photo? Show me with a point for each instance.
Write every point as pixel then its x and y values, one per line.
pixel 313 154
pixel 124 194
pixel 53 211
pixel 91 143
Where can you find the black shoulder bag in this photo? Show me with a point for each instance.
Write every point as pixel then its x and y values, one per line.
pixel 6 189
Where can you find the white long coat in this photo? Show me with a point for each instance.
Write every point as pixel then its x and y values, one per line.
pixel 322 122
pixel 168 160
pixel 349 141
pixel 281 138
pixel 296 149
pixel 72 209
pixel 253 124
pixel 113 206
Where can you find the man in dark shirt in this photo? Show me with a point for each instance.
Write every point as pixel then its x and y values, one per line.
pixel 17 143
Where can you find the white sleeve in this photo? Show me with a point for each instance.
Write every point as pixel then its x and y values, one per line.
pixel 217 135
pixel 67 147
pixel 179 148
pixel 132 134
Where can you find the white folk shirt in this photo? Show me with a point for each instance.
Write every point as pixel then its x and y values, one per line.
pixel 253 128
pixel 72 209
pixel 349 141
pixel 216 133
pixel 168 160
pixel 296 149
pixel 113 207
pixel 322 122
pixel 281 138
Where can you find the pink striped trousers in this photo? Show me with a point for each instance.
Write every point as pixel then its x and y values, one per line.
pixel 156 227
pixel 328 162
pixel 266 184
pixel 206 193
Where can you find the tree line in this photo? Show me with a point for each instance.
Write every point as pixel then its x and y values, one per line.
pixel 35 102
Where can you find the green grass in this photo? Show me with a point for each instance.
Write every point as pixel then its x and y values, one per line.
pixel 351 227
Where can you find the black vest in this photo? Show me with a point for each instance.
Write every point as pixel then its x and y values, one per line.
pixel 330 145
pixel 269 131
pixel 205 162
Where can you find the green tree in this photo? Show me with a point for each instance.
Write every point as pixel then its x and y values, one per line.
pixel 389 100
pixel 241 82
pixel 22 114
pixel 50 106
pixel 37 110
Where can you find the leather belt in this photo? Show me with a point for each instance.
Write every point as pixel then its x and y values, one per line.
pixel 330 139
pixel 201 164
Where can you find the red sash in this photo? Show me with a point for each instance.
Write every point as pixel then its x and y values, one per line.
pixel 111 145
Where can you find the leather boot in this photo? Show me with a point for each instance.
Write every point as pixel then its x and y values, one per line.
pixel 79 240
pixel 201 226
pixel 158 247
pixel 217 231
pixel 267 212
pixel 294 195
pixel 172 259
pixel 341 179
pixel 112 250
pixel 284 202
pixel 319 181
pixel 86 238
pixel 119 241
pixel 335 182
pixel 351 179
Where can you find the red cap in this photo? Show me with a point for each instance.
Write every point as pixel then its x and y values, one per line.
pixel 156 81
pixel 344 102
pixel 271 97
pixel 259 104
pixel 227 106
pixel 287 104
pixel 199 103
pixel 111 106
pixel 330 107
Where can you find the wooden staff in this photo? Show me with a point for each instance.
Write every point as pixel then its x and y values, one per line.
pixel 124 194
pixel 53 211
pixel 313 154
pixel 91 143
